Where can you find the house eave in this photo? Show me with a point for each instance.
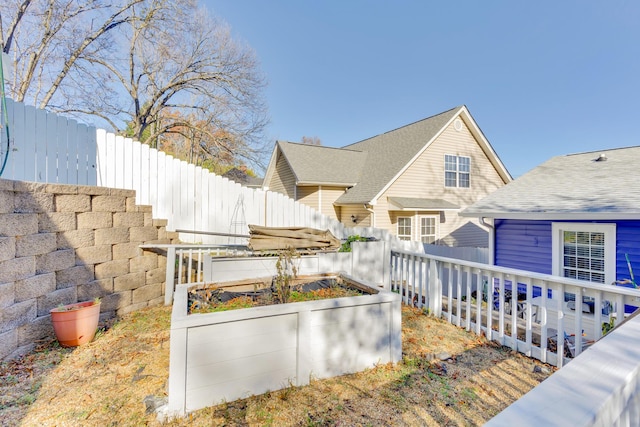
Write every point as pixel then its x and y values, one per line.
pixel 325 183
pixel 569 216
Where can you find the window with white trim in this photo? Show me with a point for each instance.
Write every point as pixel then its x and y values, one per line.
pixel 457 171
pixel 428 228
pixel 404 228
pixel 584 251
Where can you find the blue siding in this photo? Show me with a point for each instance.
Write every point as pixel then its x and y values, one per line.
pixel 526 245
pixel 628 242
pixel 523 244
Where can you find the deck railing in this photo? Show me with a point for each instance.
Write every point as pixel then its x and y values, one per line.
pixel 539 315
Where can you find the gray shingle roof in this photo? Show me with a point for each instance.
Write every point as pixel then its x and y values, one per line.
pixel 323 165
pixel 571 185
pixel 389 152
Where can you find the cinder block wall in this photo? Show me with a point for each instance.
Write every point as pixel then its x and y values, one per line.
pixel 61 244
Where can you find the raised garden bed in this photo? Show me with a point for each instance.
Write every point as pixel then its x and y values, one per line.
pixel 227 355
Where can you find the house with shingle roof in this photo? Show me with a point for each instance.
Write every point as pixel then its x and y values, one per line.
pixel 412 181
pixel 575 216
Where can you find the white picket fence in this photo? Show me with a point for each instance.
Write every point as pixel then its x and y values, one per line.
pixel 48 148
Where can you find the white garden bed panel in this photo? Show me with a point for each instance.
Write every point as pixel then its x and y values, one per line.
pixel 218 357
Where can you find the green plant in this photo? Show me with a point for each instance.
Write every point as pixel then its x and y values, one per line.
pixel 286 271
pixel 346 246
pixel 608 326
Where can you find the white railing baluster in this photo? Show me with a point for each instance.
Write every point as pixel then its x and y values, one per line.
pixel 469 278
pixel 560 327
pixel 541 313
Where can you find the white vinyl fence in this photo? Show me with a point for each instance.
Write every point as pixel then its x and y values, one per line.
pixel 46 147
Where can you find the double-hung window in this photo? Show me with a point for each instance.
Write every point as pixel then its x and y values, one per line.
pixel 584 251
pixel 404 228
pixel 428 229
pixel 456 171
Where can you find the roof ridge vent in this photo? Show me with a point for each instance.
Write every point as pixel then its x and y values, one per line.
pixel 602 158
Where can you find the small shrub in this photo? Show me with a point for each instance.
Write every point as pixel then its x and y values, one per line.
pixel 346 246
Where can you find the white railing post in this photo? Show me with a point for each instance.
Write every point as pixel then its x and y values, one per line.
pixel 170 273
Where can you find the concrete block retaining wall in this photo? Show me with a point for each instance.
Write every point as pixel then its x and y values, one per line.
pixel 61 244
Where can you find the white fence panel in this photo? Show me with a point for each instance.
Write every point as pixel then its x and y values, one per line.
pixel 46 147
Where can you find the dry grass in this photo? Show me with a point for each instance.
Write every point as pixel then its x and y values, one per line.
pixel 104 383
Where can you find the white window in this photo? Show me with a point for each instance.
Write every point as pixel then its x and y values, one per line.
pixel 404 228
pixel 584 251
pixel 456 171
pixel 428 229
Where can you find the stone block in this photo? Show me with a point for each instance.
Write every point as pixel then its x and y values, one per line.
pixel 110 236
pixel 6 184
pixel 55 261
pixel 159 222
pixel 122 192
pixel 74 276
pixel 93 191
pixel 162 262
pixel 146 293
pixel 33 202
pixel 128 219
pixel 108 204
pixel 7 248
pixel 116 301
pixel 18 224
pixel 29 187
pixel 36 330
pixel 147 262
pixel 93 254
pixel 34 287
pixel 35 244
pixel 131 308
pixel 6 201
pixel 95 220
pixel 17 269
pixel 61 189
pixel 8 344
pixel 7 294
pixel 133 207
pixel 157 242
pixel 143 234
pixel 73 203
pixel 157 301
pixel 56 298
pixel 157 275
pixel 18 314
pixel 148 219
pixel 52 222
pixel 95 289
pixel 171 235
pixel 75 239
pixel 128 281
pixel 111 269
pixel 126 250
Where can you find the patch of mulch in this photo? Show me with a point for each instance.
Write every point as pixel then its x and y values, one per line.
pixel 448 376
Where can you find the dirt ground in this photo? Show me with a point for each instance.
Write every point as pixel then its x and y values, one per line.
pixel 448 377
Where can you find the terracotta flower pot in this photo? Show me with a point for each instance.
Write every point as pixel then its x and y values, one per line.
pixel 75 324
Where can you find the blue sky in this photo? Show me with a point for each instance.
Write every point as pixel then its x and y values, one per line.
pixel 541 78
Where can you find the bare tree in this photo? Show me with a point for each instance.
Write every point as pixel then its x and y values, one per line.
pixel 311 140
pixel 152 69
pixel 47 39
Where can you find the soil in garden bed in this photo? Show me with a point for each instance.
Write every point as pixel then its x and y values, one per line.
pixel 214 298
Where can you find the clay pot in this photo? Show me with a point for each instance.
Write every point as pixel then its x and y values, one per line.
pixel 75 324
